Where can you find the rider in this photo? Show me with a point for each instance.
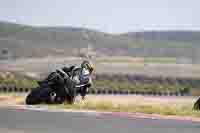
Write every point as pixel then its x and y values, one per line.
pixel 79 75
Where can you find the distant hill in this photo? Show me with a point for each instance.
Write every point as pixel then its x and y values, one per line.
pixel 29 41
pixel 183 36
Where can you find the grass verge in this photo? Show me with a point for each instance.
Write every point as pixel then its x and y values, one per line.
pixel 147 105
pixel 176 109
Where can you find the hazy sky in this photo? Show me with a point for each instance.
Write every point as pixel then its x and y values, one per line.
pixel 114 16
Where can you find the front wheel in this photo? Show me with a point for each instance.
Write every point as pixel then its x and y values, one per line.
pixel 70 99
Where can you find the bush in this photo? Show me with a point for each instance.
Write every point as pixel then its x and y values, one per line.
pixel 134 83
pixel 146 84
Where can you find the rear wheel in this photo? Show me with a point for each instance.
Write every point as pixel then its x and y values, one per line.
pixel 38 96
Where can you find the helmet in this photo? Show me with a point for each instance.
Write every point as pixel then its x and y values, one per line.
pixel 88 65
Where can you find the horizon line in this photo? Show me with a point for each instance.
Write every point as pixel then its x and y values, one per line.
pixel 97 30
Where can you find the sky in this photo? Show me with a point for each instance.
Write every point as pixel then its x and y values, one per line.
pixel 112 16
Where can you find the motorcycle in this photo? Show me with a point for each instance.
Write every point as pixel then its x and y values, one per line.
pixel 55 91
pixel 196 105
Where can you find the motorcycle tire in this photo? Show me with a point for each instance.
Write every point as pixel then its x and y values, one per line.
pixel 38 96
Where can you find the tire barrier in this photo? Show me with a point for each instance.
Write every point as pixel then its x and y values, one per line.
pixel 13 89
pixel 128 92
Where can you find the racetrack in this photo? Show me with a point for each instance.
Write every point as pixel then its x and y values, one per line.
pixel 30 121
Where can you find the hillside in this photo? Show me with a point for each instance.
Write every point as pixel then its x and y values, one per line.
pixel 182 36
pixel 29 41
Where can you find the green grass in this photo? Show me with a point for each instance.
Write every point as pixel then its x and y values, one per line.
pixel 109 84
pixel 20 83
pixel 160 44
pixel 137 86
pixel 160 60
pixel 143 84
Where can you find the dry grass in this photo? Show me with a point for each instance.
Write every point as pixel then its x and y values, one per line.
pixel 11 99
pixel 142 100
pixel 180 106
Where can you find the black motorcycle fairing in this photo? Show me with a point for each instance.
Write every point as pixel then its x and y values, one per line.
pixel 38 95
pixel 59 83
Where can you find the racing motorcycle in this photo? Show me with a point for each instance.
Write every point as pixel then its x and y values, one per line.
pixel 196 105
pixel 55 91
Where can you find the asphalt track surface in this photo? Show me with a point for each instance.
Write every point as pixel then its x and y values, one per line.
pixel 29 121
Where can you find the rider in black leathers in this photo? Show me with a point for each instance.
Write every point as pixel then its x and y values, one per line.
pixel 78 75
